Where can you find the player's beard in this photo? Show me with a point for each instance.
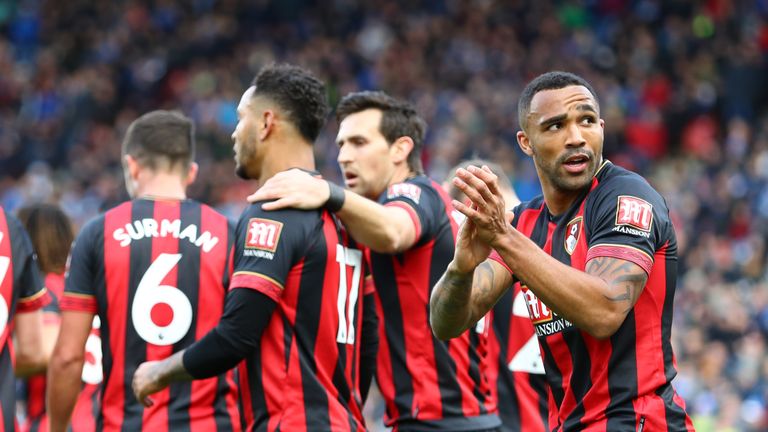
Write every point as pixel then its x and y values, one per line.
pixel 246 160
pixel 560 179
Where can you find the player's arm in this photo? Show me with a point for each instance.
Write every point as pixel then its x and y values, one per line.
pixel 385 229
pixel 470 286
pixel 31 357
pixel 461 298
pixel 66 368
pixel 596 300
pixel 246 314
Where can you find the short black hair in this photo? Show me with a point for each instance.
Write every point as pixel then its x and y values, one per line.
pixel 548 81
pixel 161 137
pixel 298 93
pixel 398 119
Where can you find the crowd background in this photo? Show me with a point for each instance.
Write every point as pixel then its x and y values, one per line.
pixel 682 87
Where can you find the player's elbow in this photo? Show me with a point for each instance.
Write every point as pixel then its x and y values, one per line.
pixel 606 326
pixel 443 329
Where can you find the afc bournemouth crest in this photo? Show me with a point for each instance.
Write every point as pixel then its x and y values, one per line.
pixel 572 233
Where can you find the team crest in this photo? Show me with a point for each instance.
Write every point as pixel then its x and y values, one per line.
pixel 572 233
pixel 634 212
pixel 407 190
pixel 263 234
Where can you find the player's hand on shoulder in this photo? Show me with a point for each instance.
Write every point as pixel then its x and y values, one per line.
pixel 293 188
pixel 146 381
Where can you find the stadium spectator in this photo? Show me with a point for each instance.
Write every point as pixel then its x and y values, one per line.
pixel 303 334
pixel 22 294
pixel 156 270
pixel 596 257
pixel 51 233
pixel 404 218
pixel 516 370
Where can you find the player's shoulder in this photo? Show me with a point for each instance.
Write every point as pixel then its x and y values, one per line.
pixel 294 218
pixel 414 189
pixel 614 181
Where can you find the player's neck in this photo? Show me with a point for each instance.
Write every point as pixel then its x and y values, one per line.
pixel 286 155
pixel 162 186
pixel 401 174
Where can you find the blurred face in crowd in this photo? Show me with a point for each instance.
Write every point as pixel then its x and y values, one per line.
pixel 365 157
pixel 564 136
pixel 246 139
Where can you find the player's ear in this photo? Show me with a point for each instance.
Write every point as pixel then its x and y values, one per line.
pixel 400 149
pixel 194 168
pixel 266 124
pixel 524 143
pixel 131 166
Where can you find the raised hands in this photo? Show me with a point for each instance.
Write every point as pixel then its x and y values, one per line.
pixel 486 211
pixel 293 188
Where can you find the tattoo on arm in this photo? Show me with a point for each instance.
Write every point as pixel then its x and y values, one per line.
pixel 625 279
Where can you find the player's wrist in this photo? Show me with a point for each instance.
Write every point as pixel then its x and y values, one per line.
pixel 336 197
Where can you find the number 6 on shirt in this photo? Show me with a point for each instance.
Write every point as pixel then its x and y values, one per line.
pixel 150 296
pixel 347 257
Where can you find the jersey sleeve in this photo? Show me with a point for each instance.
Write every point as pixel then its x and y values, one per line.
pixel 267 245
pixel 82 267
pixel 419 201
pixel 27 277
pixel 625 220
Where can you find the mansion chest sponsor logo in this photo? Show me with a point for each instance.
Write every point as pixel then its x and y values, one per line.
pixel 407 190
pixel 262 237
pixel 544 320
pixel 149 227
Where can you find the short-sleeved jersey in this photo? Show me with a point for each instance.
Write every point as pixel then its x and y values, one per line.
pixel 21 290
pixel 87 407
pixel 304 374
pixel 622 382
pixel 156 273
pixel 428 384
pixel 516 371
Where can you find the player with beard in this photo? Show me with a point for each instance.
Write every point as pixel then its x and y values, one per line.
pixel 404 218
pixel 300 319
pixel 597 260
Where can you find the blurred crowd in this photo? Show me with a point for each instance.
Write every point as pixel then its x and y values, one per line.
pixel 681 86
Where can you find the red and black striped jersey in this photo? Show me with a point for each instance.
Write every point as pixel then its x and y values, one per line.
pixel 516 370
pixel 622 382
pixel 21 290
pixel 156 273
pixel 428 384
pixel 304 374
pixel 87 407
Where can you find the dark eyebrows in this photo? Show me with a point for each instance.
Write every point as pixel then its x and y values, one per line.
pixel 586 107
pixel 560 117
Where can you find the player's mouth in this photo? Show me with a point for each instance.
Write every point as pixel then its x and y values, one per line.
pixel 577 163
pixel 350 179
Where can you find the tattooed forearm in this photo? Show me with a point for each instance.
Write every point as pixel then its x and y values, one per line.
pixel 449 305
pixel 625 279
